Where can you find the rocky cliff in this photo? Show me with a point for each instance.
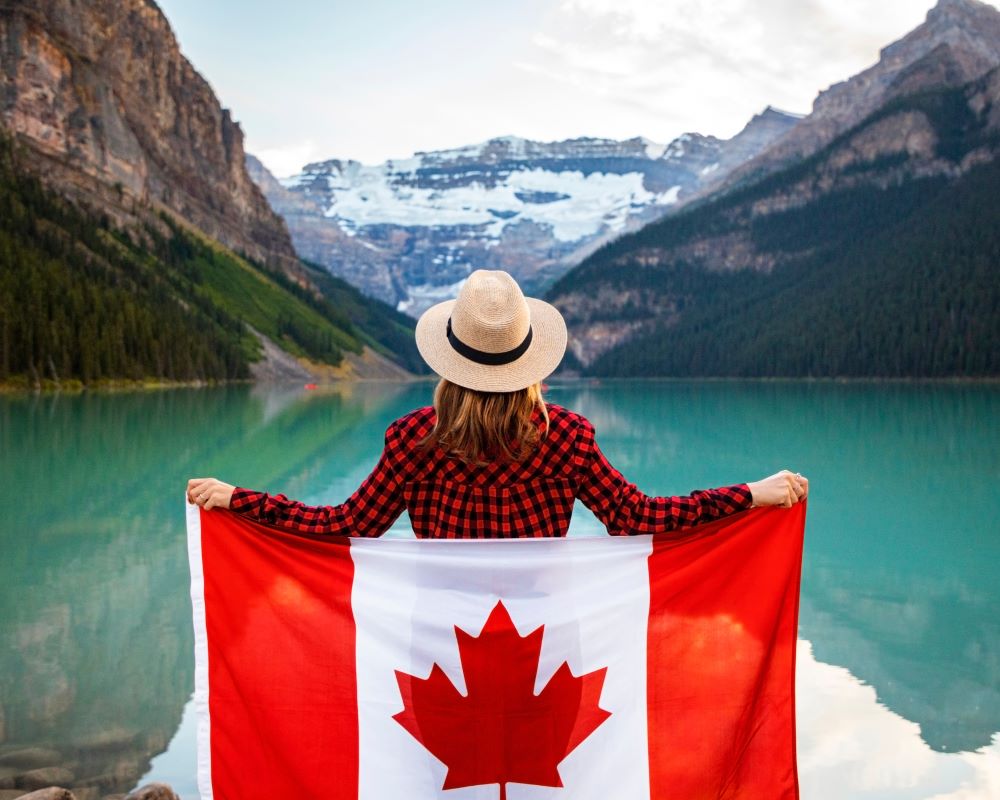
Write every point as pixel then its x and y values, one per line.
pixel 408 231
pixel 114 114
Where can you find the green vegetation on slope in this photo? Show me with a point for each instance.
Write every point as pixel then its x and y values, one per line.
pixel 919 296
pixel 81 300
pixel 266 300
pixel 78 301
pixel 378 324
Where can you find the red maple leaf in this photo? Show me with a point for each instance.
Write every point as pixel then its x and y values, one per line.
pixel 500 731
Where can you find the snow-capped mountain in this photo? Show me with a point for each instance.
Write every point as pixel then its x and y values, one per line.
pixel 410 230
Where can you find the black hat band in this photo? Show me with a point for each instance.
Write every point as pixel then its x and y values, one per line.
pixel 482 356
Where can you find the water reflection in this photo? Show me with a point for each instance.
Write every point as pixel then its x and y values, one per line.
pixel 852 746
pixel 94 647
pixel 899 586
pixel 95 639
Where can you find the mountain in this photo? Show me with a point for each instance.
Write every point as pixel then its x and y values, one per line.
pixel 958 41
pixel 877 256
pixel 409 231
pixel 113 113
pixel 873 255
pixel 83 301
pixel 135 244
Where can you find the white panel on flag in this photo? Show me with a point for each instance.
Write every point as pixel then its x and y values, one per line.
pixel 591 596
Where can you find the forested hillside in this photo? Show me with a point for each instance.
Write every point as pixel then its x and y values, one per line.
pixel 81 300
pixel 912 290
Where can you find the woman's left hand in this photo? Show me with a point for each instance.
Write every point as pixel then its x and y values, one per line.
pixel 784 489
pixel 209 493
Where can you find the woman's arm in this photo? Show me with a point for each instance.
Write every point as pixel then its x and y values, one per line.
pixel 625 510
pixel 370 511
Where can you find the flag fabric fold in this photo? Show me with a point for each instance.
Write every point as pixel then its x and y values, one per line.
pixel 621 667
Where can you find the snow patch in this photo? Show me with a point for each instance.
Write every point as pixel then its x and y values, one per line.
pixel 422 296
pixel 654 150
pixel 668 197
pixel 578 205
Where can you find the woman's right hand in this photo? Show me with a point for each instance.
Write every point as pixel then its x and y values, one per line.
pixel 784 488
pixel 209 493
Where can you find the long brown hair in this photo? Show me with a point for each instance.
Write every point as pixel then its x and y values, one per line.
pixel 479 427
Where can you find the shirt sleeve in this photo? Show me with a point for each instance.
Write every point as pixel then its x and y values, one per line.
pixel 625 510
pixel 370 511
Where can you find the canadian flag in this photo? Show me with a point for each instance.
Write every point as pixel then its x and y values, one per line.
pixel 590 668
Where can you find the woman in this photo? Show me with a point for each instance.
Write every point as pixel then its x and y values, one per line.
pixel 491 458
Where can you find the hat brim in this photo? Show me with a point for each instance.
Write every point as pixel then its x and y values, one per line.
pixel 548 345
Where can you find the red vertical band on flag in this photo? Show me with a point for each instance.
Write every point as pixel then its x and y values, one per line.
pixel 281 662
pixel 721 657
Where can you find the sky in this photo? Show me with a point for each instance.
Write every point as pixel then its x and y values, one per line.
pixel 377 79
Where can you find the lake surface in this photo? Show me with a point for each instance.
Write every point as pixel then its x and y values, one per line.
pixel 899 663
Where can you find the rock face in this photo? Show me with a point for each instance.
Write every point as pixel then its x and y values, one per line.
pixel 116 115
pixel 958 41
pixel 409 231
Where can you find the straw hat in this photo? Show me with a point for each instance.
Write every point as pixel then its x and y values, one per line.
pixel 491 337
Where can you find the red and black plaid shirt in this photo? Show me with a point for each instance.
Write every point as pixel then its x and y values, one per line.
pixel 447 498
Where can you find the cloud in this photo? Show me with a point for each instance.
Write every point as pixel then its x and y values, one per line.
pixel 710 66
pixel 288 159
pixel 370 83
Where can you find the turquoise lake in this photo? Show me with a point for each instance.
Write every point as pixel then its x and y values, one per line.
pixel 898 688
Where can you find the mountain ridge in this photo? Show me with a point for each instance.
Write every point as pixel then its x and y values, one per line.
pixel 409 231
pixel 969 27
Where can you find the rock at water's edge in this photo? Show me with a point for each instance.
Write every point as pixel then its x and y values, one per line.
pixel 153 791
pixel 49 793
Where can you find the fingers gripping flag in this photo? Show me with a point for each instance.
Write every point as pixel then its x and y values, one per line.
pixel 618 667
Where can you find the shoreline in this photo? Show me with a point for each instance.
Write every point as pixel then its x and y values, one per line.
pixel 107 386
pixel 124 385
pixel 121 386
pixel 846 379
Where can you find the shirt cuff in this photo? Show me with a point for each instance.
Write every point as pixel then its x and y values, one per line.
pixel 742 495
pixel 246 501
